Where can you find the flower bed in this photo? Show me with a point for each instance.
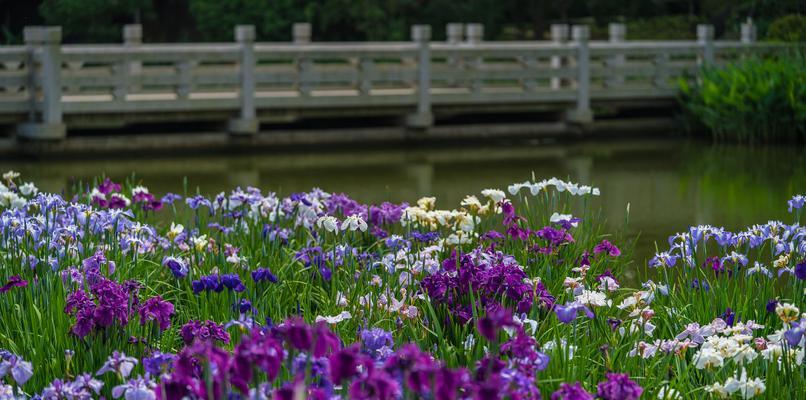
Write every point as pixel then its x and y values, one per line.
pixel 117 292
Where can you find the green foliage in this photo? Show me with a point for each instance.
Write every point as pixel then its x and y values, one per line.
pixel 669 27
pixel 752 101
pixel 340 20
pixel 666 27
pixel 789 28
pixel 215 19
pixel 93 20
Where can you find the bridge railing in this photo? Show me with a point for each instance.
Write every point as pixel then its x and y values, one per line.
pixel 44 81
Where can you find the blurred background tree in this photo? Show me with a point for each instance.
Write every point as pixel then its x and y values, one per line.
pixel 213 20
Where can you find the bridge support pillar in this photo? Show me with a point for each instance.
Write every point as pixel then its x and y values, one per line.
pixel 423 118
pixel 581 114
pixel 43 43
pixel 247 123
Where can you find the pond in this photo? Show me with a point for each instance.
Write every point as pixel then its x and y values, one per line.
pixel 667 184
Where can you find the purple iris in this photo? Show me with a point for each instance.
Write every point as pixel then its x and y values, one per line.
pixel 496 319
pixel 14 281
pixel 797 202
pixel 376 341
pixel 344 364
pixel 170 198
pixel 178 267
pixel 424 237
pixel 697 284
pixel 492 236
pixel 158 363
pixel 607 248
pixel 728 316
pixel 618 387
pixel 244 306
pixel 795 334
pixel 614 323
pixel 800 270
pixel 107 186
pixel 395 243
pixel 386 213
pixel 205 331
pixel 233 282
pixel 571 392
pixel 198 201
pixel 263 274
pixel 156 309
pixel 568 313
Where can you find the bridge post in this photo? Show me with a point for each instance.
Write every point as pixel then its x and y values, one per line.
pixel 705 38
pixel 133 37
pixel 618 33
pixel 748 37
pixel 454 32
pixel 559 36
pixel 474 34
pixel 748 32
pixel 301 32
pixel 582 113
pixel 423 118
pixel 247 123
pixel 43 43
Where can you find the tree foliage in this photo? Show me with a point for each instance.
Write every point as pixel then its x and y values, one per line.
pixel 93 20
pixel 339 20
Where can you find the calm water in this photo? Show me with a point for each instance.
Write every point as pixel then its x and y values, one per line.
pixel 668 184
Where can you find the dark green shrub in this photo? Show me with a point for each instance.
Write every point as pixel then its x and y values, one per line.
pixel 790 28
pixel 752 101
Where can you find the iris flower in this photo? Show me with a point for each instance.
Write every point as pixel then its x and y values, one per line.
pixel 14 281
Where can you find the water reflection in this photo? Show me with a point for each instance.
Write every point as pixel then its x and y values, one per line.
pixel 669 184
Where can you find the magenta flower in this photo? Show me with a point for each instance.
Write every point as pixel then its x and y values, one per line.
pixel 297 333
pixel 255 350
pixel 571 392
pixel 14 281
pixel 109 304
pixel 201 371
pixel 157 309
pixel 108 186
pixel 607 248
pixel 344 364
pixel 495 320
pixel 618 387
pixel 376 384
pixel 205 331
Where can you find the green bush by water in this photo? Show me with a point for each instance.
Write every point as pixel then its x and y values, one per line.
pixel 753 101
pixel 789 28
